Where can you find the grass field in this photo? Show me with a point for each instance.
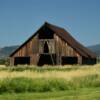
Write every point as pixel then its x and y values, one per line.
pixel 66 72
pixel 50 83
pixel 80 94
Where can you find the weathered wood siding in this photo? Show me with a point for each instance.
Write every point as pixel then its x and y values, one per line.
pixel 64 49
pixel 48 41
pixel 30 49
pixel 35 47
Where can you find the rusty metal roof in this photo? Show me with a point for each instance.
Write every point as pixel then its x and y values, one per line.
pixel 63 34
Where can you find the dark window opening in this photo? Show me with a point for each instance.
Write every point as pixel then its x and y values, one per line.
pixel 47 59
pixel 88 61
pixel 46 48
pixel 69 60
pixel 46 33
pixel 21 60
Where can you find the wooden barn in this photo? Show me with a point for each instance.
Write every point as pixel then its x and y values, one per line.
pixel 52 45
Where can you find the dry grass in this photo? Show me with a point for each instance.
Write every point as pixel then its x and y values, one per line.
pixel 2 66
pixel 56 78
pixel 68 75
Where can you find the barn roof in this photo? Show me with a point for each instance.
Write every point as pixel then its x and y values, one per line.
pixel 62 33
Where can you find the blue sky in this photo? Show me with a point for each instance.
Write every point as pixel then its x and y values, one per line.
pixel 19 19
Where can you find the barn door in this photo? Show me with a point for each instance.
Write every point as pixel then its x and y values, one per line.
pixel 47 59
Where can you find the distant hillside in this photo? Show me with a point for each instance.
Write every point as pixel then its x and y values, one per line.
pixel 95 49
pixel 6 51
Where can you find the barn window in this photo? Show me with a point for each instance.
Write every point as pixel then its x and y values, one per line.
pixel 21 60
pixel 69 60
pixel 88 61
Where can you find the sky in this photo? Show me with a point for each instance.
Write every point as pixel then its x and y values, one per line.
pixel 19 19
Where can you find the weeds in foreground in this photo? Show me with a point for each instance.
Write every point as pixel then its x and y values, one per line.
pixel 23 84
pixel 16 80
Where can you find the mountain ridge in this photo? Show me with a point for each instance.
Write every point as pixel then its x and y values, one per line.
pixel 7 50
pixel 95 49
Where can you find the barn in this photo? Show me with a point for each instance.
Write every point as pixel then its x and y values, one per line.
pixel 52 45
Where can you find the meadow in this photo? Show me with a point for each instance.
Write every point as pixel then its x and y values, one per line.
pixel 50 82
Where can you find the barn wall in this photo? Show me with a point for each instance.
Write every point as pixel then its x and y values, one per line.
pixel 63 49
pixel 29 49
pixel 60 48
pixel 11 61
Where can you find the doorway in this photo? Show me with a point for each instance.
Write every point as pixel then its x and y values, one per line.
pixel 48 59
pixel 46 48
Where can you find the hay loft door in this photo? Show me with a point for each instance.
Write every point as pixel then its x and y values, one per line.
pixel 46 52
pixel 46 48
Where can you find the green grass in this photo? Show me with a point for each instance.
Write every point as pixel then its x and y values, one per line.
pixel 22 84
pixel 50 83
pixel 80 94
pixel 17 85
